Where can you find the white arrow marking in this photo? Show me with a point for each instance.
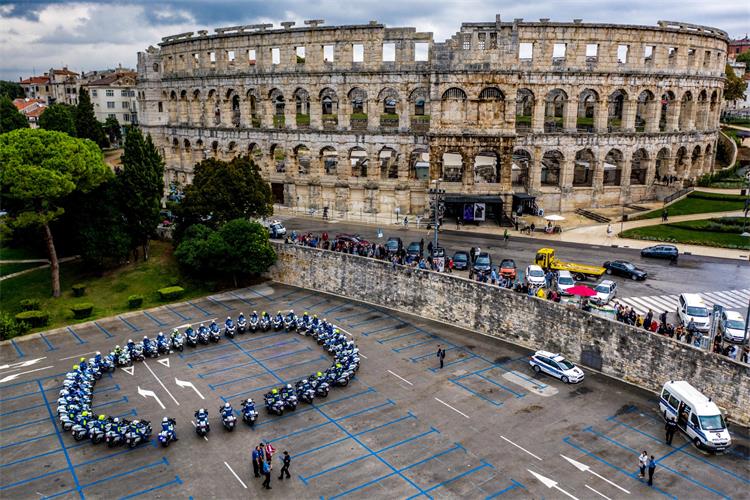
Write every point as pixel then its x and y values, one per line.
pixel 235 475
pixel 129 369
pixel 584 468
pixel 161 383
pixel 597 492
pixel 183 383
pixel 16 375
pixel 22 364
pixel 150 394
pixel 520 448
pixel 550 483
pixel 78 355
pixel 164 361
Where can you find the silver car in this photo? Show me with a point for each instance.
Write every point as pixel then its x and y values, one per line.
pixel 564 281
pixel 605 291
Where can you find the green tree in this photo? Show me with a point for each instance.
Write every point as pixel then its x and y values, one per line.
pixel 59 117
pixel 745 58
pixel 10 117
pixel 12 90
pixel 87 127
pixel 38 170
pixel 141 189
pixel 248 249
pixel 113 129
pixel 222 191
pixel 201 252
pixel 735 87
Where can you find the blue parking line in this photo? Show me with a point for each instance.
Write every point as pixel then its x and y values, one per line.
pixel 234 381
pixel 379 318
pixel 25 424
pixel 21 460
pixel 205 313
pixel 176 480
pixel 130 325
pixel 50 347
pixel 29 440
pixel 432 354
pixel 367 334
pixel 137 469
pixel 220 370
pixel 399 349
pixel 460 360
pixel 295 365
pixel 152 318
pixel 220 303
pixel 388 339
pixel 408 415
pixel 491 381
pixel 285 355
pixel 267 297
pixel 408 440
pixel 475 393
pixel 211 360
pixel 79 339
pixel 103 330
pixel 296 290
pixel 335 308
pixel 316 304
pixel 518 374
pixel 123 399
pixel 455 478
pixel 241 299
pixel 342 318
pixel 177 313
pixel 291 303
pixel 18 349
pixel 35 478
pixel 19 396
pixel 515 484
pixel 20 410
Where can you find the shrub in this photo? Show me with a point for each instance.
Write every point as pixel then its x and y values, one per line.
pixel 10 328
pixel 82 310
pixel 33 318
pixel 171 292
pixel 30 304
pixel 135 301
pixel 78 290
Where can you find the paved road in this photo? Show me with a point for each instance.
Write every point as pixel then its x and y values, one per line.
pixel 483 427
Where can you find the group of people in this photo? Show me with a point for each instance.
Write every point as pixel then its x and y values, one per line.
pixel 262 458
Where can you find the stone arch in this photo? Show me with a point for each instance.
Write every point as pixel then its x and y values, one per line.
pixel 639 167
pixel 201 149
pixel 358 100
pixel 588 104
pixel 358 161
pixel 491 107
pixel 184 107
pixel 213 104
pixel 613 163
pixel 486 167
pixel 389 101
pixel 555 105
pixel 279 157
pixel 419 164
pixel 712 107
pixel 329 157
pixel 551 168
pixel 388 162
pixel 251 107
pixel 696 160
pixel 255 153
pixel 645 111
pixel 215 149
pixel 196 108
pixel 520 168
pixel 583 168
pixel 453 166
pixel 419 98
pixel 172 103
pixel 708 159
pixel 667 109
pixel 680 162
pixel 303 159
pixel 329 103
pixel 302 104
pixel 701 113
pixel 453 106
pixel 686 111
pixel 616 109
pixel 524 110
pixel 235 106
pixel 663 167
pixel 278 104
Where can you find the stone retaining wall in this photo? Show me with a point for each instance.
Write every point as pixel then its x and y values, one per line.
pixel 617 350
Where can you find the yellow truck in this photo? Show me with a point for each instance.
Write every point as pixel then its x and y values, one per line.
pixel 545 258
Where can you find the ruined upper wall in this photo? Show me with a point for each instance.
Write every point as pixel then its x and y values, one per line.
pixel 543 46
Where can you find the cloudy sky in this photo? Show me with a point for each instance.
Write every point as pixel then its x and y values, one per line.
pixel 36 35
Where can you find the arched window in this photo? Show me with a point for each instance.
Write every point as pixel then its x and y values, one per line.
pixel 520 168
pixel 524 110
pixel 330 159
pixel 588 102
pixel 358 98
pixel 389 106
pixel 615 109
pixel 583 169
pixel 419 107
pixel 662 165
pixel 453 106
pixel 645 111
pixel 303 159
pixel 639 167
pixel 667 106
pixel 453 168
pixel 555 104
pixel 613 168
pixel 236 110
pixel 551 166
pixel 388 163
pixel 486 167
pixel 358 161
pixel 491 107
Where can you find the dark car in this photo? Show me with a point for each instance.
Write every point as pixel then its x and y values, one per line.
pixel 352 238
pixel 661 252
pixel 461 261
pixel 393 245
pixel 414 249
pixel 624 268
pixel 482 264
pixel 508 269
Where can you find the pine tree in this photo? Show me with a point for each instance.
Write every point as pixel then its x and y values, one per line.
pixel 87 127
pixel 59 117
pixel 10 117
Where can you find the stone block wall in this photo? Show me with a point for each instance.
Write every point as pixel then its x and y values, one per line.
pixel 617 350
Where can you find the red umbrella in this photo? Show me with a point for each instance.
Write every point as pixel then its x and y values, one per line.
pixel 581 291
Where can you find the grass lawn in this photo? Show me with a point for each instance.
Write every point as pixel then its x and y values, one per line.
pixel 695 232
pixel 108 292
pixel 699 203
pixel 6 269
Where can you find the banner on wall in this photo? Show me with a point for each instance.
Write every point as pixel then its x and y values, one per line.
pixel 468 212
pixel 479 211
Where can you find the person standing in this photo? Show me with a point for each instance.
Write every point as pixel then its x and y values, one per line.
pixel 671 428
pixel 285 460
pixel 642 464
pixel 506 237
pixel 257 461
pixel 651 469
pixel 441 355
pixel 267 474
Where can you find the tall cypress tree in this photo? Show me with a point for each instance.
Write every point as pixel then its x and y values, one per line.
pixel 87 127
pixel 142 187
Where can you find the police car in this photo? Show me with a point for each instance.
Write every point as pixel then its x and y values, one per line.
pixel 276 229
pixel 557 366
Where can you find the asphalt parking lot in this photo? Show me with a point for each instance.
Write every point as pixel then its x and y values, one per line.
pixel 483 427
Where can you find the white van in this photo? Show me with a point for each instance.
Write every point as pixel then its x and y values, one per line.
pixel 690 306
pixel 697 416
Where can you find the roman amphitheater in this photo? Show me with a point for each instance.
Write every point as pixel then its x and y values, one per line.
pixel 366 118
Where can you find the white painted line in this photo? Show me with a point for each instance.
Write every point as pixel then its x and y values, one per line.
pixel 235 475
pixel 550 483
pixel 16 375
pixel 530 384
pixel 151 394
pixel 78 355
pixel 597 492
pixel 22 364
pixel 449 406
pixel 161 383
pixel 585 468
pixel 183 383
pixel 400 377
pixel 130 370
pixel 520 448
pixel 204 437
pixel 362 356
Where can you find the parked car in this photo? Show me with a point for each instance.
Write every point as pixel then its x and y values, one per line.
pixel 624 268
pixel 564 281
pixel 352 238
pixel 606 290
pixel 557 366
pixel 414 249
pixel 661 252
pixel 690 306
pixel 276 229
pixel 482 264
pixel 534 275
pixel 394 244
pixel 508 268
pixel 732 327
pixel 461 260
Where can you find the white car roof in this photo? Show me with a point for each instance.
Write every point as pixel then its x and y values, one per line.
pixel 534 267
pixel 606 282
pixel 564 274
pixel 693 299
pixel 703 406
pixel 734 315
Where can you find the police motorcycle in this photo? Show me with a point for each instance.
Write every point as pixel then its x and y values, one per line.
pixel 228 419
pixel 264 323
pixel 122 356
pixel 241 324
pixel 178 340
pixel 150 349
pixel 289 397
pixel 139 431
pixel 274 403
pixel 319 384
pixel 114 434
pixel 163 344
pixel 106 364
pixel 191 336
pixel 249 414
pixel 290 321
pixel 278 321
pixel 304 323
pixel 96 429
pixel 337 375
pixel 314 324
pixel 202 427
pixel 167 434
pixel 203 335
pixel 80 428
pixel 136 350
pixel 229 328
pixel 305 391
pixel 214 332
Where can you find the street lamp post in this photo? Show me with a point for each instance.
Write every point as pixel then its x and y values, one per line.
pixel 437 199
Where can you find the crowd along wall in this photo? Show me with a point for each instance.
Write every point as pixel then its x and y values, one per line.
pixel 617 350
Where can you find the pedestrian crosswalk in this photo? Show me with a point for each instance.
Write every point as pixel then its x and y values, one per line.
pixel 736 300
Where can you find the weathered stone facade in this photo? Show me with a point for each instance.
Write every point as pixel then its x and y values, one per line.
pixel 631 354
pixel 361 118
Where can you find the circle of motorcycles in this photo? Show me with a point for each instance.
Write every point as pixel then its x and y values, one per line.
pixel 74 403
